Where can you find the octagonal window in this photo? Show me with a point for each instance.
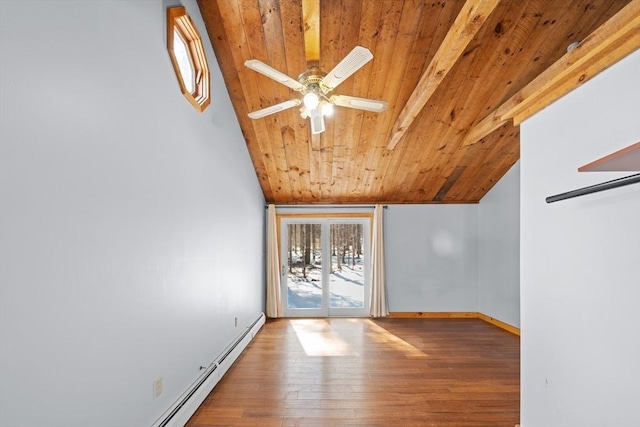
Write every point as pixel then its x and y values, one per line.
pixel 187 56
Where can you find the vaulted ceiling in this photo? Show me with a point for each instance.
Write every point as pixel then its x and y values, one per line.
pixel 454 74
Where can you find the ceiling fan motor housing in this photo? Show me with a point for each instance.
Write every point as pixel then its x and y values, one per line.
pixel 311 79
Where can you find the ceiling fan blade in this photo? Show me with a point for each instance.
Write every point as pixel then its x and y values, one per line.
pixel 274 108
pixel 274 74
pixel 351 63
pixel 359 103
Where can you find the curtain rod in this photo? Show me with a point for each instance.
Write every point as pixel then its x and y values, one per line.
pixel 608 185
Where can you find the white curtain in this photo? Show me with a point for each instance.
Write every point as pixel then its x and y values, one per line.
pixel 274 301
pixel 378 290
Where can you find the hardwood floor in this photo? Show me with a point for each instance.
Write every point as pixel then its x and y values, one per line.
pixel 363 372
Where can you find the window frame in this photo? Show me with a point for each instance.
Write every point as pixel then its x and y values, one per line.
pixel 178 20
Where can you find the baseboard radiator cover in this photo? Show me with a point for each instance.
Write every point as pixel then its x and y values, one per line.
pixel 187 404
pixel 231 353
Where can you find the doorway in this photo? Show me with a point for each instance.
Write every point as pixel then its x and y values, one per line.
pixel 325 266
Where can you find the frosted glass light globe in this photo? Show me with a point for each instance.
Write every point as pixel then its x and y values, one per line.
pixel 311 101
pixel 327 109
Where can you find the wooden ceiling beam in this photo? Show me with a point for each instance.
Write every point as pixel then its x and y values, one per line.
pixel 311 21
pixel 612 41
pixel 470 19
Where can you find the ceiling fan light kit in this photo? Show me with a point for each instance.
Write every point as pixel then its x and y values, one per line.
pixel 317 121
pixel 311 100
pixel 314 85
pixel 327 108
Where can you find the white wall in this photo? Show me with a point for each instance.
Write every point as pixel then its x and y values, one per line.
pixel 499 250
pixel 580 260
pixel 431 257
pixel 131 225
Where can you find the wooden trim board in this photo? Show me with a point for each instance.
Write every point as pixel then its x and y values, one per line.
pixel 433 315
pixel 624 160
pixel 454 315
pixel 499 323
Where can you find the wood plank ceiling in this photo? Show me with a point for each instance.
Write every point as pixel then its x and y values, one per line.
pixel 460 66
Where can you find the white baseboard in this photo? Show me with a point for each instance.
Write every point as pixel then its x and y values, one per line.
pixel 189 404
pixel 184 408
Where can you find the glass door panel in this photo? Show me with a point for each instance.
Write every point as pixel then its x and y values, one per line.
pixel 325 267
pixel 304 267
pixel 346 277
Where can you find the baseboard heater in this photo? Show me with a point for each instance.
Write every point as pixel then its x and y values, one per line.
pixel 180 412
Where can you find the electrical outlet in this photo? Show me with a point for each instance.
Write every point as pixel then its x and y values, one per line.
pixel 236 322
pixel 157 387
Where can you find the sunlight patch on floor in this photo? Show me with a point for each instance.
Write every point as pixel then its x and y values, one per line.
pixel 318 338
pixel 381 335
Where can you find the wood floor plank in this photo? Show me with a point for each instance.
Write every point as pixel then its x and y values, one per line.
pixel 408 372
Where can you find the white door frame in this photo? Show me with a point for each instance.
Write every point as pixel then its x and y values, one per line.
pixel 326 310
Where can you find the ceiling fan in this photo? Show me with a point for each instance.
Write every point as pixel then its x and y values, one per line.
pixel 314 85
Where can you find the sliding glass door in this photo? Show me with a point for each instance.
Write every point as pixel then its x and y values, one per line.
pixel 325 266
